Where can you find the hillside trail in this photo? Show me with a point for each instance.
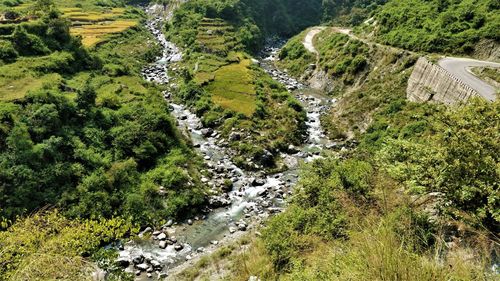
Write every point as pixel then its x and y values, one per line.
pixel 309 39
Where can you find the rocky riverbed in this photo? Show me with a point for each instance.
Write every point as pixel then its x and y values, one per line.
pixel 247 198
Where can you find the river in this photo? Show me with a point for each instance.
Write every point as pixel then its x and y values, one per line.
pixel 254 196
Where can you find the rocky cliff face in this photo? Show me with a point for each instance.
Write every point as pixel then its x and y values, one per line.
pixel 430 82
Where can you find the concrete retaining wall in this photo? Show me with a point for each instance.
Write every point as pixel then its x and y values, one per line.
pixel 430 82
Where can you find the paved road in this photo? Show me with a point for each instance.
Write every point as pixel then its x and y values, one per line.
pixel 460 68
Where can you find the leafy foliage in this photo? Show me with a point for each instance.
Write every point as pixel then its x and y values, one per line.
pixel 96 143
pixel 439 25
pixel 316 210
pixel 461 163
pixel 33 246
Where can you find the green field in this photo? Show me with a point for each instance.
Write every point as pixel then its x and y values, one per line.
pixel 232 88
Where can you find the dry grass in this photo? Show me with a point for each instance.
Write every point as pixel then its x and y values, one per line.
pixel 17 88
pixel 232 88
pixel 36 268
pixel 77 14
pixel 95 33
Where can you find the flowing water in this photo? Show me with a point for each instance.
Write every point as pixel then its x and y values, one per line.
pixel 253 197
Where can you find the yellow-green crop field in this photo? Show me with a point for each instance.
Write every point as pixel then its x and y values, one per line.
pixel 92 24
pixel 94 27
pixel 95 33
pixel 232 88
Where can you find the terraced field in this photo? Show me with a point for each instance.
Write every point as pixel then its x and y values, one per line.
pixel 225 73
pixel 95 33
pixel 232 87
pixel 95 27
pixel 93 24
pixel 216 36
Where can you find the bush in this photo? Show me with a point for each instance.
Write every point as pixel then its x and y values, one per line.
pixel 28 44
pixel 7 51
pixel 32 246
pixel 315 209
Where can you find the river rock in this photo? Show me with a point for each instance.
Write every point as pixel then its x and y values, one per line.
pixel 162 244
pixel 258 182
pixel 123 262
pixel 178 247
pixel 138 259
pixel 142 266
pixel 156 264
pixel 146 230
pixel 190 222
pixel 162 236
pixel 263 193
pixel 207 132
pixel 234 136
pixel 242 227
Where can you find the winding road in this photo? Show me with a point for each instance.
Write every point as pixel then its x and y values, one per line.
pixel 459 68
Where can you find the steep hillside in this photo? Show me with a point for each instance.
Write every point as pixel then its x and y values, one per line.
pixel 364 77
pixel 80 128
pixel 437 26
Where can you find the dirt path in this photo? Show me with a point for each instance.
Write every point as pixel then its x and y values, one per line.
pixel 308 40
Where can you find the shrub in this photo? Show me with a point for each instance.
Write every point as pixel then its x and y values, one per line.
pixel 33 245
pixel 7 51
pixel 28 44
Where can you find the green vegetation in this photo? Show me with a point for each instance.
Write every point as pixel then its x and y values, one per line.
pixel 365 78
pixel 416 200
pixel 349 12
pixel 47 246
pixel 491 75
pixel 373 232
pixel 82 131
pixel 294 57
pixel 232 88
pixel 340 55
pixel 439 25
pixel 93 21
pixel 379 214
pixel 226 89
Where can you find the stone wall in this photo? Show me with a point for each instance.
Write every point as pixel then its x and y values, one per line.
pixel 430 82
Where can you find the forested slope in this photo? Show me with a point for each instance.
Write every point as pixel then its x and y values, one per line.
pixel 437 26
pixel 92 138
